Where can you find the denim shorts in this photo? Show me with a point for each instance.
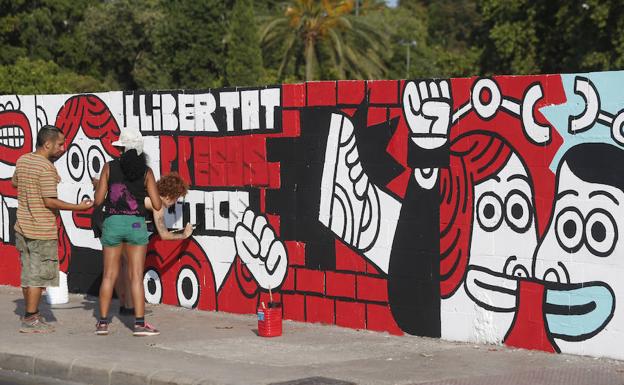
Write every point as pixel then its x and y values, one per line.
pixel 128 229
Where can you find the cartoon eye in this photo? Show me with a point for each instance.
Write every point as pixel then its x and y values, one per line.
pixel 75 162
pixel 489 211
pixel 600 232
pixel 152 286
pixel 95 161
pixel 569 229
pixel 188 287
pixel 519 213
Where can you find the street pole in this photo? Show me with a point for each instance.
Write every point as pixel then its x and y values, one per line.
pixel 407 62
pixel 408 46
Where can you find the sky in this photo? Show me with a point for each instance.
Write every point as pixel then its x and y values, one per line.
pixel 392 3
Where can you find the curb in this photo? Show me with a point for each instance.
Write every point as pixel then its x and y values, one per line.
pixel 89 371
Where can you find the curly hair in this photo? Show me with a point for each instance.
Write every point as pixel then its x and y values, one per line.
pixel 172 186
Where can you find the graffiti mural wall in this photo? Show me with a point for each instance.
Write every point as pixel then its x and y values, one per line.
pixel 473 209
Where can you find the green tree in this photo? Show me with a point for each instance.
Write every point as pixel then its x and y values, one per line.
pixel 327 40
pixel 549 36
pixel 38 29
pixel 188 47
pixel 509 36
pixel 452 27
pixel 244 56
pixel 587 36
pixel 112 39
pixel 38 76
pixel 425 42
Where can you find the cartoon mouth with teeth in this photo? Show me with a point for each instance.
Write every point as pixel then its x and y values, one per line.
pixel 15 140
pixel 12 136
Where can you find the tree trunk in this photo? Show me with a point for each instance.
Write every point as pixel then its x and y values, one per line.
pixel 311 60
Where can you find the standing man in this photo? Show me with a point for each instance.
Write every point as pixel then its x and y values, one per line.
pixel 36 235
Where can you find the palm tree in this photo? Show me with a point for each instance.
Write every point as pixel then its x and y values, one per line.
pixel 326 35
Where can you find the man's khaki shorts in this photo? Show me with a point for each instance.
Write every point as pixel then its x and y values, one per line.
pixel 39 260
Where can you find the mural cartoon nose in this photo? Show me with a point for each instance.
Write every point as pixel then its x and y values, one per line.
pixel 514 267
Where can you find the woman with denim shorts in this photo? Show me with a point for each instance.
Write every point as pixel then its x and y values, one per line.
pixel 124 184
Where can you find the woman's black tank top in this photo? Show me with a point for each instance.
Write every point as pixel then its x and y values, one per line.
pixel 124 197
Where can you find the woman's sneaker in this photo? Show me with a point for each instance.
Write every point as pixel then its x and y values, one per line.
pixel 145 330
pixel 35 324
pixel 101 328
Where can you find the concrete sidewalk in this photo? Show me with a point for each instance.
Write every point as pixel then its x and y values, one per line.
pixel 217 348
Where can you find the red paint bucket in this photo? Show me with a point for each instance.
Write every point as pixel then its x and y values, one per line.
pixel 270 320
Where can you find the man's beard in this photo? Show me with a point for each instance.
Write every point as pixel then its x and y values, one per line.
pixel 54 158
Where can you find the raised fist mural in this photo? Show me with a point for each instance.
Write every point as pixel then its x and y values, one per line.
pixel 260 251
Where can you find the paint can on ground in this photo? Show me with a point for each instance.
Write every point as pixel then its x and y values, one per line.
pixel 60 294
pixel 270 320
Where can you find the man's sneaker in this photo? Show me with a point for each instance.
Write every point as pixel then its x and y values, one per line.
pixel 35 324
pixel 101 328
pixel 145 330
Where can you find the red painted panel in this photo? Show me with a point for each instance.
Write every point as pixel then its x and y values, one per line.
pixel 319 310
pixel 340 284
pixel 347 259
pixel 321 93
pixel 351 314
pixel 311 280
pixel 293 95
pixel 291 124
pixel 294 306
pixel 296 253
pixel 379 318
pixel 289 281
pixel 351 91
pixel 372 289
pixel 383 91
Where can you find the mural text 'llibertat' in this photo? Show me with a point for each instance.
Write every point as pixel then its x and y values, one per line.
pixel 213 112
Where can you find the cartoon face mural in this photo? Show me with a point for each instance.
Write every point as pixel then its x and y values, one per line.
pixel 478 209
pixel 80 164
pixel 578 259
pixel 504 212
pixel 498 240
